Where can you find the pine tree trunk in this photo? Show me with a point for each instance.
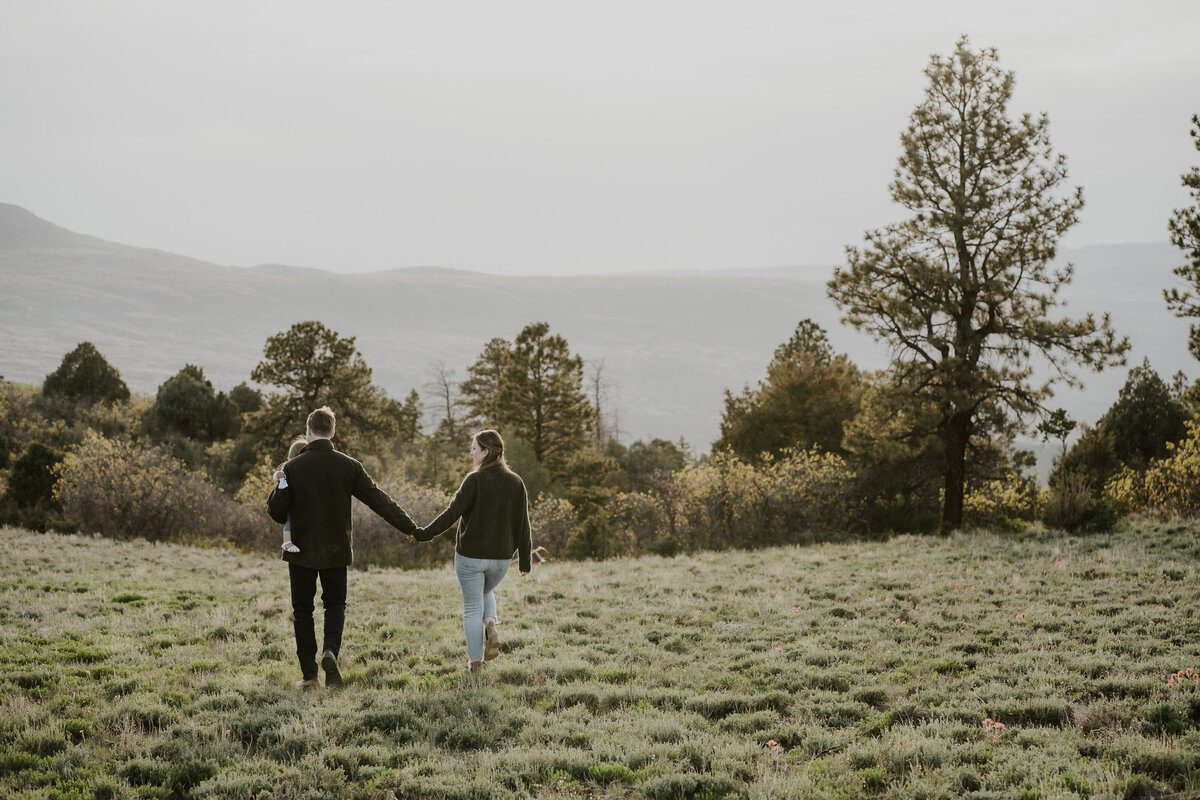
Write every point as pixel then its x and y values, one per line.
pixel 955 437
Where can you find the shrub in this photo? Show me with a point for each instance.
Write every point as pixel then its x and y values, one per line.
pixel 1172 484
pixel 597 538
pixel 798 497
pixel 31 482
pixel 554 523
pixel 112 487
pixel 1126 491
pixel 682 786
pixel 377 542
pixel 1001 503
pixel 1072 507
pixel 641 519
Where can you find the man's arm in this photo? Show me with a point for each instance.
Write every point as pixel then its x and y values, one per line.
pixel 381 503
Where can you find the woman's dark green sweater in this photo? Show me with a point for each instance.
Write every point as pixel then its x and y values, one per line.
pixel 494 509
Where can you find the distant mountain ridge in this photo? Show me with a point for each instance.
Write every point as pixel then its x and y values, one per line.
pixel 20 229
pixel 671 343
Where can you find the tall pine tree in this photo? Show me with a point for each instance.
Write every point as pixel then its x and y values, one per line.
pixel 480 389
pixel 963 290
pixel 314 366
pixel 532 390
pixel 1184 226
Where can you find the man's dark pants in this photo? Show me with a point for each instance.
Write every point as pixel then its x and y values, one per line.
pixel 333 597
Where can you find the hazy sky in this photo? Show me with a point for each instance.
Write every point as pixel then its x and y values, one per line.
pixel 555 137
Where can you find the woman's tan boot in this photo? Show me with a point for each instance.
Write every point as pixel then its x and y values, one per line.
pixel 491 640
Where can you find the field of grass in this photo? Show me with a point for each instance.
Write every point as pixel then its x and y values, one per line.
pixel 980 665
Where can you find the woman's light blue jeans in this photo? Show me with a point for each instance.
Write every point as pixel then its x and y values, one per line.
pixel 477 577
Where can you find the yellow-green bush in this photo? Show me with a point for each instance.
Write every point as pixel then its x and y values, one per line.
pixel 1007 502
pixel 113 487
pixel 555 523
pixel 1126 491
pixel 796 497
pixel 1171 485
pixel 642 519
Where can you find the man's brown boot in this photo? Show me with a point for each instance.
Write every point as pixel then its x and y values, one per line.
pixel 333 675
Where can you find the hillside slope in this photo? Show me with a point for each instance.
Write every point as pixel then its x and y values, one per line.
pixel 670 343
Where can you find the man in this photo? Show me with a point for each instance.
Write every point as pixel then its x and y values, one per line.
pixel 316 495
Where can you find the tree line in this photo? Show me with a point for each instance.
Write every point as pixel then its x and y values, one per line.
pixel 963 291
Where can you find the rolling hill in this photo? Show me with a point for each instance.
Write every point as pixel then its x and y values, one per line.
pixel 669 343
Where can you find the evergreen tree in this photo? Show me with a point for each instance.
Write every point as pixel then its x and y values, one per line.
pixel 316 367
pixel 806 399
pixel 480 389
pixel 1145 418
pixel 591 479
pixel 407 417
pixel 246 399
pixel 1185 234
pixel 224 418
pixel 1057 425
pixel 810 340
pixel 963 290
pixel 540 397
pixel 1092 460
pixel 649 465
pixel 186 401
pixel 85 376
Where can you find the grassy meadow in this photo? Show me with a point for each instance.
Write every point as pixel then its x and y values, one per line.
pixel 980 665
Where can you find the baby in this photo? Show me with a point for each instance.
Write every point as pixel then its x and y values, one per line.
pixel 296 448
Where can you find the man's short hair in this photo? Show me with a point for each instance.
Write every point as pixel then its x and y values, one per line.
pixel 322 422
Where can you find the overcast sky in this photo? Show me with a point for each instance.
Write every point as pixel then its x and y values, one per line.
pixel 555 137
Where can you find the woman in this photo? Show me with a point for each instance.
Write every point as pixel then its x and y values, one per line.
pixel 494 509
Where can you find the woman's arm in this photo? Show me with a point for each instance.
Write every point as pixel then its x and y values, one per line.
pixel 524 535
pixel 464 498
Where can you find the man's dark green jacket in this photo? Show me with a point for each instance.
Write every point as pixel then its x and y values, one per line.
pixel 320 483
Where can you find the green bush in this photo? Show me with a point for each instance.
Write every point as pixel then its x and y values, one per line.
pixel 687 787
pixel 31 482
pixel 86 376
pixel 1072 507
